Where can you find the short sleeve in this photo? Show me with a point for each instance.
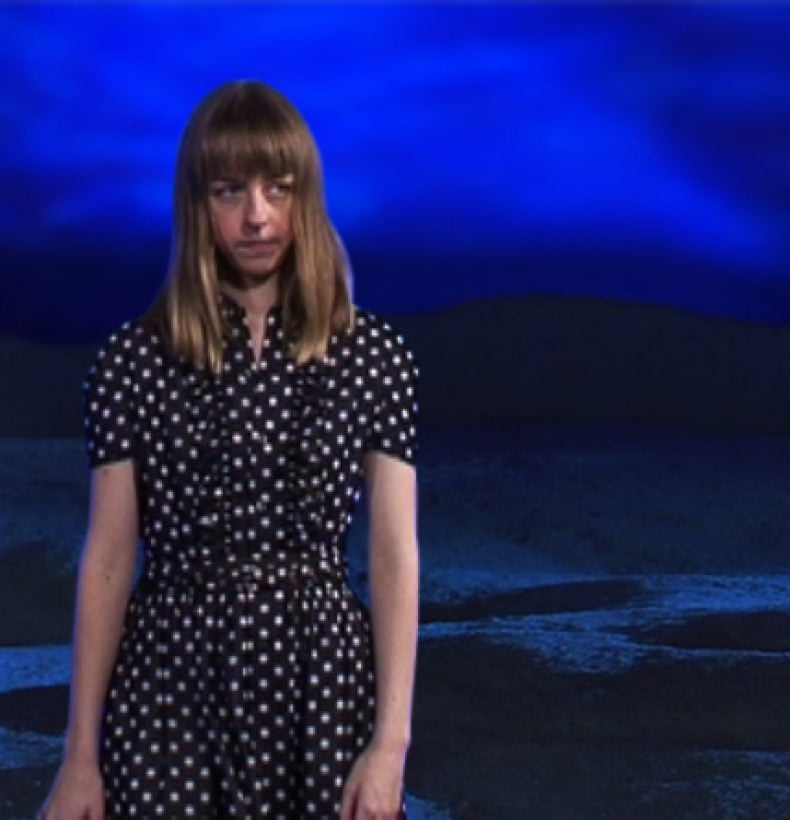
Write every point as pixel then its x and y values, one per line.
pixel 393 427
pixel 107 401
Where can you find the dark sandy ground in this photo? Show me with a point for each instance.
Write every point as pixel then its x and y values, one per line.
pixel 696 728
pixel 605 624
pixel 501 732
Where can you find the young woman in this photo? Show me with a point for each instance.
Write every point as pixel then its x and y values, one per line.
pixel 232 428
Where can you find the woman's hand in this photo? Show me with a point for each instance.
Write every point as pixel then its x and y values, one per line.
pixel 76 794
pixel 374 786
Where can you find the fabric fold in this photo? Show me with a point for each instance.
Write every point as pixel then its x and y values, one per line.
pixel 305 496
pixel 212 436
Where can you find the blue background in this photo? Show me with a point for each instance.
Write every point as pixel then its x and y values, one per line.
pixel 635 152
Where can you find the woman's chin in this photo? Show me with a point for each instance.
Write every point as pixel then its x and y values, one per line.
pixel 260 270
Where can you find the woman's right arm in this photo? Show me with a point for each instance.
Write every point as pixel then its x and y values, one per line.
pixel 104 585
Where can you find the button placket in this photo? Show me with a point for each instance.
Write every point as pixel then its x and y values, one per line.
pixel 259 439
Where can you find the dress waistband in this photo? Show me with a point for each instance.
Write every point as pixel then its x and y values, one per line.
pixel 268 571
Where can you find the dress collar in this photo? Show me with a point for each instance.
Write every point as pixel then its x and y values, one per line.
pixel 235 310
pixel 229 306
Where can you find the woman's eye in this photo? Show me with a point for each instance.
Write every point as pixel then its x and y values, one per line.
pixel 234 190
pixel 226 191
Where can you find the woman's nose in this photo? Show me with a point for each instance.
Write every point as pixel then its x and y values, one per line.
pixel 256 209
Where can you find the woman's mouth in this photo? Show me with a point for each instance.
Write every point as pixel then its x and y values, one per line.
pixel 257 246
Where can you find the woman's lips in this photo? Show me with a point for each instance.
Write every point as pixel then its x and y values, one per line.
pixel 258 247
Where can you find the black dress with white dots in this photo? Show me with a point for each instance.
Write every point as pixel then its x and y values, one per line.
pixel 244 683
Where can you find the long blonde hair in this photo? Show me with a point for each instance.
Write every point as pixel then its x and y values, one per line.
pixel 240 129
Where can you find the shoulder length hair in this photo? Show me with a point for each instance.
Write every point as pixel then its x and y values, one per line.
pixel 241 129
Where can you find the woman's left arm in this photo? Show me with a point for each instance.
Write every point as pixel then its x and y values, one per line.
pixel 394 592
pixel 374 787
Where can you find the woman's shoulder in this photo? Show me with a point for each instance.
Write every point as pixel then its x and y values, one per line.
pixel 385 340
pixel 373 325
pixel 126 343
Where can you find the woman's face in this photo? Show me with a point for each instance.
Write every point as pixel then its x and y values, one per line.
pixel 251 221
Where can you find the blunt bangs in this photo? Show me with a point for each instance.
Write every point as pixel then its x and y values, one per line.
pixel 247 136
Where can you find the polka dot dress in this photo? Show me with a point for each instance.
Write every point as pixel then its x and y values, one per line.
pixel 244 681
